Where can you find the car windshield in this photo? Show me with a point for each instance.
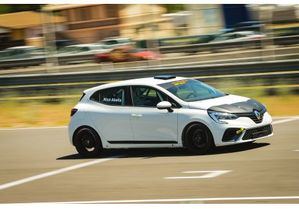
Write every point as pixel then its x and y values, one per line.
pixel 192 90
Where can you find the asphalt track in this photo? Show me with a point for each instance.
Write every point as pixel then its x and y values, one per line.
pixel 39 165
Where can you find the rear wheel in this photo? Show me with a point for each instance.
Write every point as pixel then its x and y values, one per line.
pixel 87 142
pixel 198 139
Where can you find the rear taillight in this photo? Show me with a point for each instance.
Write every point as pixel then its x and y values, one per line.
pixel 73 111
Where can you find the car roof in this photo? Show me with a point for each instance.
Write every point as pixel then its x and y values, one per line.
pixel 83 45
pixel 23 47
pixel 149 81
pixel 115 38
pixel 242 32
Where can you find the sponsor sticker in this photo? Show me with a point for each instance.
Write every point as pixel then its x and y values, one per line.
pixel 178 83
pixel 105 99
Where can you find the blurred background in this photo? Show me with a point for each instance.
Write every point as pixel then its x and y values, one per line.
pixel 51 53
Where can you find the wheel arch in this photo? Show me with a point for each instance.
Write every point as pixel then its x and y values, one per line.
pixel 85 126
pixel 189 126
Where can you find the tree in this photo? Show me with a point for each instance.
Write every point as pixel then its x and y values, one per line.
pixel 9 8
pixel 171 8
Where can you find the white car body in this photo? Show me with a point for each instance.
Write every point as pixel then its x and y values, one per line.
pixel 238 36
pixel 82 49
pixel 142 127
pixel 114 42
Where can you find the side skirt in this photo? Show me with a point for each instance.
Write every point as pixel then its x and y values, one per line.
pixel 142 142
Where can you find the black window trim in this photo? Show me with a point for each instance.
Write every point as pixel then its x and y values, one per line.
pixel 83 95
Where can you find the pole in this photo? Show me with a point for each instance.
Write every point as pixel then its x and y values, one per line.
pixel 49 43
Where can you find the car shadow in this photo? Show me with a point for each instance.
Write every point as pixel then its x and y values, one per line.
pixel 166 152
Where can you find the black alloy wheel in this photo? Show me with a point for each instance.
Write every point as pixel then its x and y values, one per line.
pixel 87 143
pixel 198 139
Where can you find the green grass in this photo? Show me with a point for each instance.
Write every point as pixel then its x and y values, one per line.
pixel 56 112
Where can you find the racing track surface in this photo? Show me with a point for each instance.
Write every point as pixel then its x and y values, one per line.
pixel 264 172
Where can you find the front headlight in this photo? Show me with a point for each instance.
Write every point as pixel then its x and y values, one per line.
pixel 219 117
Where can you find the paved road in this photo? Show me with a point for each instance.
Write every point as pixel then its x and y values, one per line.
pixel 264 172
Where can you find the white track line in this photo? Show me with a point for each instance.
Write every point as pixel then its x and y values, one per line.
pixel 186 200
pixel 285 120
pixel 32 128
pixel 54 127
pixel 285 116
pixel 297 150
pixel 55 172
pixel 205 174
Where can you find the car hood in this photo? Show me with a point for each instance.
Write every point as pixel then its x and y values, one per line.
pixel 229 104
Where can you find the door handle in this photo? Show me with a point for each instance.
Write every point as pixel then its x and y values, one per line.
pixel 136 115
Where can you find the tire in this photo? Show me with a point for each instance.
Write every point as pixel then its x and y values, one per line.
pixel 88 142
pixel 198 139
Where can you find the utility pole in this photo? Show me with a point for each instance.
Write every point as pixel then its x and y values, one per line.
pixel 49 42
pixel 266 16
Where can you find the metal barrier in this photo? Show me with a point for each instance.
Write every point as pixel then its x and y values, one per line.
pixel 287 40
pixel 199 70
pixel 42 60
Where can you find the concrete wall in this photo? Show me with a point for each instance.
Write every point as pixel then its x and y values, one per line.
pixel 144 21
pixel 205 18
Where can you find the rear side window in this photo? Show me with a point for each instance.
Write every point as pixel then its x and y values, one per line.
pixel 113 96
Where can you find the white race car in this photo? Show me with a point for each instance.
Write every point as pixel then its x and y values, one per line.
pixel 164 111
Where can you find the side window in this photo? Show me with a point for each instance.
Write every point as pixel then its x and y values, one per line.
pixel 144 96
pixel 84 49
pixel 240 35
pixel 111 96
pixel 232 36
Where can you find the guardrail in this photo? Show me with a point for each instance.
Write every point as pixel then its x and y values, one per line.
pixel 77 96
pixel 42 60
pixel 288 79
pixel 201 70
pixel 287 40
pixel 285 53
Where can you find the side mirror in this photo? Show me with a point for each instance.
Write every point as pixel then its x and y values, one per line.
pixel 164 105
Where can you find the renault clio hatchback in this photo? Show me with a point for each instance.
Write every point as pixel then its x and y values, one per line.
pixel 164 111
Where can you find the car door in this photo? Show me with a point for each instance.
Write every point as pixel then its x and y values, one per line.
pixel 112 116
pixel 151 125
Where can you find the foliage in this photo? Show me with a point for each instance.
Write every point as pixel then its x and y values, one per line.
pixel 9 8
pixel 172 8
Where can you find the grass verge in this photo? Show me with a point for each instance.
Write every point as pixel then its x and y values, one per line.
pixel 57 112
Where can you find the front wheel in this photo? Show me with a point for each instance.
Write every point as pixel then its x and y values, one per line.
pixel 87 142
pixel 198 139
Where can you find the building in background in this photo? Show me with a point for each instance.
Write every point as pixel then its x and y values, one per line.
pixel 180 22
pixel 234 14
pixel 204 19
pixel 87 23
pixel 212 18
pixel 91 23
pixel 25 28
pixel 145 21
pixel 4 37
pixel 279 19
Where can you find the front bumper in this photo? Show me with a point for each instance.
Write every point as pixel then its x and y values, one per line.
pixel 242 130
